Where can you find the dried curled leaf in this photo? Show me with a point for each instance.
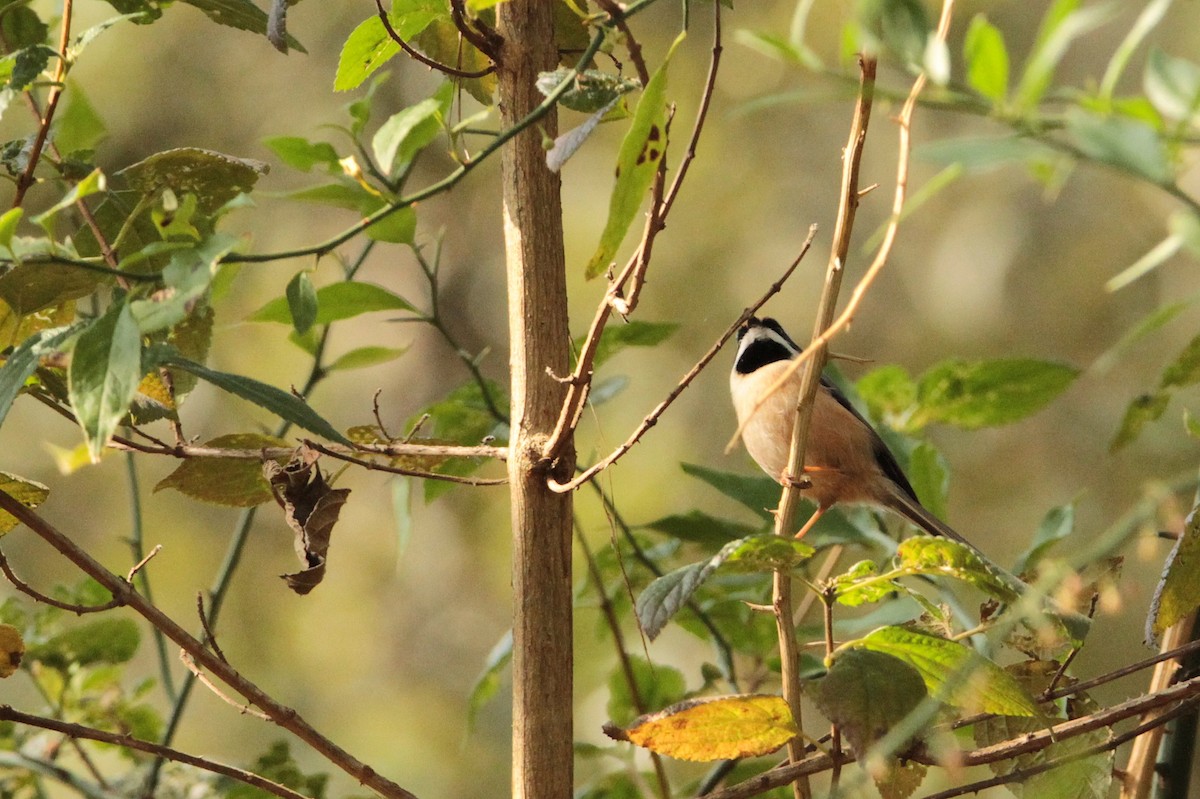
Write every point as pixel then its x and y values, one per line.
pixel 717 728
pixel 311 508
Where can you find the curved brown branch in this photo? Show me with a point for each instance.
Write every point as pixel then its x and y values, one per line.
pixel 73 731
pixel 282 715
pixel 615 17
pixel 476 31
pixel 56 89
pixel 417 55
pixel 651 418
pixel 38 596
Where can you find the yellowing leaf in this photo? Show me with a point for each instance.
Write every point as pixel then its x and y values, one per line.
pixel 237 482
pixel 12 649
pixel 1178 591
pixel 27 492
pixel 718 728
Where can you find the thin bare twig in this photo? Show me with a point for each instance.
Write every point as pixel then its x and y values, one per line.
pixel 73 731
pixel 280 714
pixel 244 709
pixel 379 467
pixel 56 89
pixel 38 596
pixel 633 275
pixel 210 637
pixel 651 419
pixel 417 55
pixel 631 44
pixel 137 567
pixel 397 449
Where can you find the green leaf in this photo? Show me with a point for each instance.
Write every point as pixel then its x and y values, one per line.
pixel 638 160
pixel 31 287
pixel 302 154
pixel 701 528
pixel 591 90
pixel 8 225
pixel 866 694
pixel 78 126
pixel 758 493
pixel 953 673
pixel 487 684
pixel 899 25
pixel 1063 23
pixel 1141 411
pixel 302 302
pixel 29 493
pixel 407 132
pixel 941 556
pixel 235 482
pixel 1057 525
pixel 240 14
pixel 978 394
pixel 286 406
pixel 1178 591
pixel 442 41
pixel 862 584
pixel 366 356
pixel 335 302
pixel 93 183
pixel 987 59
pixel 1127 144
pixel 215 178
pixel 23 361
pixel 101 641
pixel 1185 369
pixel 21 27
pixel 657 687
pixel 665 596
pixel 188 276
pixel 633 334
pixel 982 153
pixel 1172 85
pixel 106 367
pixel 930 478
pixel 369 46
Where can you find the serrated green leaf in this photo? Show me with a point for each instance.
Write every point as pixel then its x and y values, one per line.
pixel 987 59
pixel 986 393
pixel 235 482
pixel 286 406
pixel 106 367
pixel 1141 411
pixel 302 154
pixel 929 555
pixel 701 528
pixel 336 302
pixel 641 152
pixel 366 356
pixel 1173 85
pixel 29 493
pixel 657 687
pixel 369 46
pixel 487 684
pixel 767 552
pixel 302 302
pixel 240 14
pixel 215 178
pixel 862 584
pixel 757 492
pixel 1178 591
pixel 953 673
pixel 1127 144
pixel 634 334
pixel 101 641
pixel 866 694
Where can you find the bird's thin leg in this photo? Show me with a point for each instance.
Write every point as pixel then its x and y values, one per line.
pixel 818 513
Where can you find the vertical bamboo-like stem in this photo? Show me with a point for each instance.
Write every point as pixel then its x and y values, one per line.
pixel 789 502
pixel 539 340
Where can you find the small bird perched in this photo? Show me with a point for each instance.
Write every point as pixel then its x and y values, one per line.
pixel 845 459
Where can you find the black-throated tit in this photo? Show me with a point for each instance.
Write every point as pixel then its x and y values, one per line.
pixel 845 459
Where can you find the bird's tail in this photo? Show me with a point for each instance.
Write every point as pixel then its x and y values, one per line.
pixel 916 513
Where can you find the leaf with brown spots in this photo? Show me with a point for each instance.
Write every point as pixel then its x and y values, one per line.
pixel 311 508
pixel 12 649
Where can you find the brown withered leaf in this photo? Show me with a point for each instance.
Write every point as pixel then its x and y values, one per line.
pixel 311 509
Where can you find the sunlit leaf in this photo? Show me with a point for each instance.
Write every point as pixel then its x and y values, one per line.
pixel 717 728
pixel 641 151
pixel 302 154
pixel 106 367
pixel 985 393
pixel 335 302
pixel 369 46
pixel 240 14
pixel 953 673
pixel 366 356
pixel 1178 591
pixel 407 132
pixel 236 482
pixel 929 555
pixel 29 493
pixel 987 59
